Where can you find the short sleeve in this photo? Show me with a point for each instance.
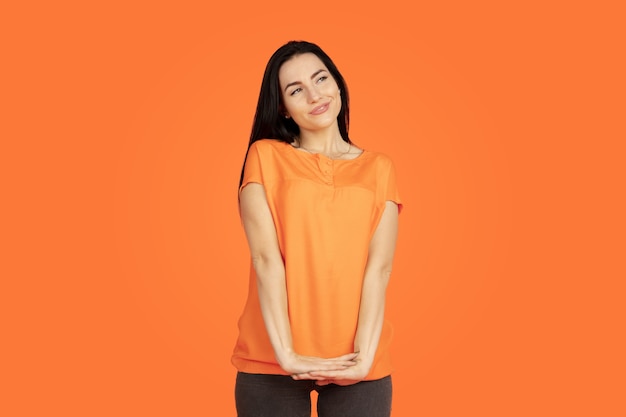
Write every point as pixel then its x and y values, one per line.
pixel 391 189
pixel 252 171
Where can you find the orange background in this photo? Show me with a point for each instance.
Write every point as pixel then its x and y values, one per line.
pixel 124 265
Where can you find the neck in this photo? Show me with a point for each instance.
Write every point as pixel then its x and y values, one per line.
pixel 329 142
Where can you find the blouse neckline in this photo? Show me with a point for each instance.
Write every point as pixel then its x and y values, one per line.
pixel 324 157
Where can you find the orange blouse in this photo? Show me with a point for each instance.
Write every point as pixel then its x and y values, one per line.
pixel 325 212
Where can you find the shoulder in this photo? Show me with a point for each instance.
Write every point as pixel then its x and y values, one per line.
pixel 269 153
pixel 269 145
pixel 378 159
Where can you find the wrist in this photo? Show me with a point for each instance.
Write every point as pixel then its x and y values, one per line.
pixel 365 358
pixel 284 356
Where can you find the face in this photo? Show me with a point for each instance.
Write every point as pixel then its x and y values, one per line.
pixel 310 94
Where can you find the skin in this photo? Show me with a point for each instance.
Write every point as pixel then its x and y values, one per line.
pixel 307 87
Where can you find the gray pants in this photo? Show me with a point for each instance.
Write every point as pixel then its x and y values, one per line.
pixel 260 395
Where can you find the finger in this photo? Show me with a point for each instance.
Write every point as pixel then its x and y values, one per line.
pixel 341 359
pixel 336 378
pixel 339 363
pixel 306 375
pixel 323 382
pixel 336 366
pixel 328 366
pixel 348 356
pixel 344 382
pixel 327 374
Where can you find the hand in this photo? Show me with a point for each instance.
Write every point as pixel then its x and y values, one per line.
pixel 347 376
pixel 301 367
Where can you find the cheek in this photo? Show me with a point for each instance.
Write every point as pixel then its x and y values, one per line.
pixel 291 110
pixel 331 88
pixel 287 104
pixel 331 93
pixel 294 104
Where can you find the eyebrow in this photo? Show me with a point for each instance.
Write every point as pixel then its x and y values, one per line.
pixel 298 82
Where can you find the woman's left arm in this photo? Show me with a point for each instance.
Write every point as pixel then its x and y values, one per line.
pixel 372 309
pixel 376 278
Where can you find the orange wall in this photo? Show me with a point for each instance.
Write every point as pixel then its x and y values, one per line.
pixel 124 263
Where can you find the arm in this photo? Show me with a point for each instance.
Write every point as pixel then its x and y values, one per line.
pixel 372 309
pixel 270 269
pixel 377 273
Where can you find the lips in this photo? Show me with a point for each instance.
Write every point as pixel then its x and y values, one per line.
pixel 320 109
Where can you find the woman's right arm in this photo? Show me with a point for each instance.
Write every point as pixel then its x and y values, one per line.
pixel 270 270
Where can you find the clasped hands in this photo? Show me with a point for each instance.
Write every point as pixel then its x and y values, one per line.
pixel 343 370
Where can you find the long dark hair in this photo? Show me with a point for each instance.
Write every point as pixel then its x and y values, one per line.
pixel 269 121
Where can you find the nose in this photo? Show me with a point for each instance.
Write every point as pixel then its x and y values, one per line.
pixel 313 94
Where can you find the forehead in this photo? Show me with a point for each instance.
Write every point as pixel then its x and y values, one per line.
pixel 300 68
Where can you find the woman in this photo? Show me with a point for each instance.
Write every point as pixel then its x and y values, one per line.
pixel 320 216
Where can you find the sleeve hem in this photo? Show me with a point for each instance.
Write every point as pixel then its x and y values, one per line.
pixel 398 203
pixel 248 182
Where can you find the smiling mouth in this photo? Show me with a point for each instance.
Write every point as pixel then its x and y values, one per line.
pixel 320 109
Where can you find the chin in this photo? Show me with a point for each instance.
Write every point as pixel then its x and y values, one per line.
pixel 320 125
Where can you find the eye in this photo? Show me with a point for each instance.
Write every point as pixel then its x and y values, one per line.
pixel 295 91
pixel 322 78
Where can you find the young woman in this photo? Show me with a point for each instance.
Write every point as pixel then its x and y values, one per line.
pixel 321 217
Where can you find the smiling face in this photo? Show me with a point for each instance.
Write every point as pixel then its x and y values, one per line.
pixel 310 94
